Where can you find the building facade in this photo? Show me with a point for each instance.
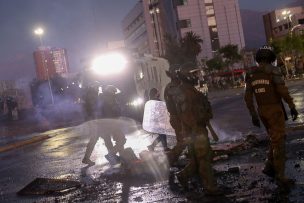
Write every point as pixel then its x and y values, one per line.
pixel 147 24
pixel 279 23
pixel 217 22
pixel 50 61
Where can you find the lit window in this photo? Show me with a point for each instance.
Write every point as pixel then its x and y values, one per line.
pixel 208 1
pixel 209 10
pixel 211 21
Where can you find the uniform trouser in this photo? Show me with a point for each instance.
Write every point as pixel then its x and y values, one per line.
pixel 177 126
pixel 180 146
pixel 200 162
pixel 175 152
pixel 117 136
pixel 273 119
pixel 201 157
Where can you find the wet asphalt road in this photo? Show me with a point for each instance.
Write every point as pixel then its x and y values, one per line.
pixel 60 157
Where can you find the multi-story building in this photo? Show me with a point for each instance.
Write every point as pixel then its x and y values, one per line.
pixel 146 25
pixel 217 22
pixel 50 61
pixel 279 23
pixel 60 60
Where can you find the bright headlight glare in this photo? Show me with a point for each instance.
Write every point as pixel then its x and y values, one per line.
pixel 109 64
pixel 137 102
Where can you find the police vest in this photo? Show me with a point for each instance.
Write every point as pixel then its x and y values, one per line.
pixel 263 88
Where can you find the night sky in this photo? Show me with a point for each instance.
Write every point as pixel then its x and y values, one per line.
pixel 83 27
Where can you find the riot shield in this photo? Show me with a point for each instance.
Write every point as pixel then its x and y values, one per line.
pixel 156 118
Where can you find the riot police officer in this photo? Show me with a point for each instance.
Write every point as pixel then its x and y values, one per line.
pixel 170 94
pixel 189 109
pixel 90 98
pixel 266 84
pixel 110 109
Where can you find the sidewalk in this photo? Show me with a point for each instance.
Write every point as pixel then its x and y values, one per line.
pixel 15 134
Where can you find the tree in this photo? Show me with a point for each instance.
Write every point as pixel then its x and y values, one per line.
pixel 173 50
pixel 191 46
pixel 215 63
pixel 290 47
pixel 231 56
pixel 185 50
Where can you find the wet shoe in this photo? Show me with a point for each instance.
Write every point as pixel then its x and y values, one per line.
pixel 113 159
pixel 150 148
pixel 88 162
pixel 269 171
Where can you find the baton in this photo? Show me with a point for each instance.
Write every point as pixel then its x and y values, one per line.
pixel 213 133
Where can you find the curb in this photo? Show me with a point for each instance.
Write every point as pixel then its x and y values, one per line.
pixel 23 143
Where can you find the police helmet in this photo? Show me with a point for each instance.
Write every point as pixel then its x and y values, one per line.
pixel 111 89
pixel 265 54
pixel 189 73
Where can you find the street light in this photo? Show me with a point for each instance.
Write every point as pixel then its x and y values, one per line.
pixel 39 32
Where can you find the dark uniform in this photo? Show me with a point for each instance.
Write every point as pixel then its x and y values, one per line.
pixel 266 84
pixel 90 102
pixel 110 109
pixel 188 105
pixel 170 94
pixel 109 106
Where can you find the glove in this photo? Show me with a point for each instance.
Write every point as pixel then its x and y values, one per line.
pixel 294 114
pixel 255 120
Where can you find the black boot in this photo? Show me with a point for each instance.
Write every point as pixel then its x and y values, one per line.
pixel 285 184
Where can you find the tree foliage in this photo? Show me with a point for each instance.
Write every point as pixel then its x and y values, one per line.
pixel 230 54
pixel 215 63
pixel 191 46
pixel 289 46
pixel 185 50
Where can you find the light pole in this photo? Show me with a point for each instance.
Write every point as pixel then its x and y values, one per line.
pixel 286 15
pixel 39 32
